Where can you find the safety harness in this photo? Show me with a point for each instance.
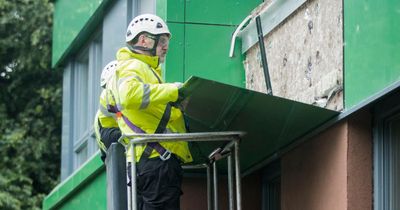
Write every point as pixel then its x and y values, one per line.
pixel 161 128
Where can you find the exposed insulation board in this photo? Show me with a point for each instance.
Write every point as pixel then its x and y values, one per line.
pixel 305 56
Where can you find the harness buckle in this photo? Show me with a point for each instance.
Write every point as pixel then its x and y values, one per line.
pixel 166 155
pixel 118 114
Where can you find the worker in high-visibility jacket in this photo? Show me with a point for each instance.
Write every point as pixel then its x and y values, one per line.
pixel 143 106
pixel 105 124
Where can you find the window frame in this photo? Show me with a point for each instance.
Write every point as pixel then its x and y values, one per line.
pixel 386 113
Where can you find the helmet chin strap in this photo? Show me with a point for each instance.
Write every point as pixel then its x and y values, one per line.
pixel 152 51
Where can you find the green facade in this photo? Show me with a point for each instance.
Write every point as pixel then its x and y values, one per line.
pixel 201 35
pixel 372 48
pixel 74 21
pixel 85 189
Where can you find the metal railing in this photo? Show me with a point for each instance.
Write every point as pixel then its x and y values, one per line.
pixel 229 149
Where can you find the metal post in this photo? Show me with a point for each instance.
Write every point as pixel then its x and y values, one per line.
pixel 230 182
pixel 238 177
pixel 116 178
pixel 215 177
pixel 129 191
pixel 133 177
pixel 263 55
pixel 209 190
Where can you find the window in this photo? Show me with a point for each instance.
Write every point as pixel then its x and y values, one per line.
pixel 80 108
pixel 87 70
pixel 80 103
pixel 271 187
pixel 387 155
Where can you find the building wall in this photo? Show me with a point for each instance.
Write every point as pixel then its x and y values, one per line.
pixel 195 192
pixel 304 54
pixel 314 175
pixel 331 171
pixel 359 166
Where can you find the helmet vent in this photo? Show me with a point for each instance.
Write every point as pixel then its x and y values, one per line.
pixel 159 25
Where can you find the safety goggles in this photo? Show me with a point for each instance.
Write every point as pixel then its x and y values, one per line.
pixel 163 41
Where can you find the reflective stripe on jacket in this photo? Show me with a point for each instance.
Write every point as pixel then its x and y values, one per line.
pixel 142 99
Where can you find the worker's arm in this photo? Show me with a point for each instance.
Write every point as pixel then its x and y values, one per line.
pixel 135 93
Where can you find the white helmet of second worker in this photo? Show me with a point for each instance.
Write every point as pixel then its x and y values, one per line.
pixel 146 23
pixel 107 73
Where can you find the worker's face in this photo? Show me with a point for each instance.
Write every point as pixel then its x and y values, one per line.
pixel 148 41
pixel 162 47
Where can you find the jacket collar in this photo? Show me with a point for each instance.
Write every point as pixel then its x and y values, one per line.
pixel 125 54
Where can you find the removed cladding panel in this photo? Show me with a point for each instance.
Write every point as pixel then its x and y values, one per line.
pixel 305 56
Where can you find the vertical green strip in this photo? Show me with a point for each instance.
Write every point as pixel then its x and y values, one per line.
pixel 174 63
pixel 371 52
pixel 161 9
pixel 172 11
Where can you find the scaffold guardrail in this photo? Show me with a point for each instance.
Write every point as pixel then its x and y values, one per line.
pixel 229 150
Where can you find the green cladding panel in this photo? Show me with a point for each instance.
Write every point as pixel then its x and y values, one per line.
pixel 91 196
pixel 85 189
pixel 70 18
pixel 271 122
pixel 205 29
pixel 171 10
pixel 227 12
pixel 372 47
pixel 174 62
pixel 207 54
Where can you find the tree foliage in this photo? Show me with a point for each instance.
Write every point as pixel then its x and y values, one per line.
pixel 30 105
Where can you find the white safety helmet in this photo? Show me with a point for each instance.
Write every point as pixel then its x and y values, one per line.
pixel 146 23
pixel 107 72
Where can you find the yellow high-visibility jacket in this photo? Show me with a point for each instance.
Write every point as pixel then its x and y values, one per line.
pixel 142 98
pixel 105 118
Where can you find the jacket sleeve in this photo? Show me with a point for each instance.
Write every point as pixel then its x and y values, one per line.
pixel 136 93
pixel 109 135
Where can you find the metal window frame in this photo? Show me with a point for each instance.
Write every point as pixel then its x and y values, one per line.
pixel 270 174
pixel 384 153
pixel 87 69
pixel 79 96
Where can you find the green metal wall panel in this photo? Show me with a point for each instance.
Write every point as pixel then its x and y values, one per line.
pixel 271 123
pixel 206 54
pixel 230 12
pixel 174 62
pixel 70 18
pixel 371 52
pixel 85 189
pixel 171 10
pixel 91 196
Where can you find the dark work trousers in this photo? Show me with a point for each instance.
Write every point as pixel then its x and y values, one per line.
pixel 159 183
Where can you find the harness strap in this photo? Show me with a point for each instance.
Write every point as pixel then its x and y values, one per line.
pixel 164 153
pixel 162 125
